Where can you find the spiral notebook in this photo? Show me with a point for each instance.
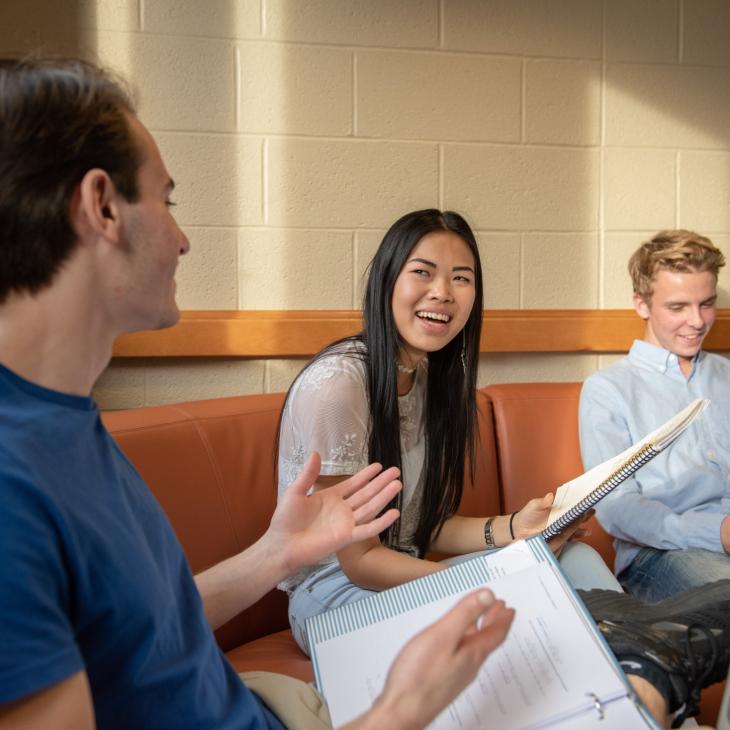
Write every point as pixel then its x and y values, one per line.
pixel 554 670
pixel 579 495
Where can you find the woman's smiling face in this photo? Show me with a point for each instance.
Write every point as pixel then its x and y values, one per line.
pixel 433 295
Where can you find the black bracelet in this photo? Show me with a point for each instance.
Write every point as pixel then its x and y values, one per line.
pixel 511 520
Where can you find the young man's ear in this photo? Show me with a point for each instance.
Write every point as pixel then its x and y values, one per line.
pixel 95 206
pixel 641 307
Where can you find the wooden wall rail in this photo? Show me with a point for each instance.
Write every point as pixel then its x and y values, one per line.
pixel 302 333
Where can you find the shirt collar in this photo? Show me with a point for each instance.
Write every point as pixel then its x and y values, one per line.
pixel 659 359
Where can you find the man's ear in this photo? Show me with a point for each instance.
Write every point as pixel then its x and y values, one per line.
pixel 96 206
pixel 641 307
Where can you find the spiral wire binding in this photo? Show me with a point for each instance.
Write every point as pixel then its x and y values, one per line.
pixel 646 453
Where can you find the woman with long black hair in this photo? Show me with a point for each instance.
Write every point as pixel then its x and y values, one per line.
pixel 402 393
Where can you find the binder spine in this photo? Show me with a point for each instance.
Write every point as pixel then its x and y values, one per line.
pixel 647 453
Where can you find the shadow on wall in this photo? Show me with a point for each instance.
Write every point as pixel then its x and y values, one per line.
pixel 33 27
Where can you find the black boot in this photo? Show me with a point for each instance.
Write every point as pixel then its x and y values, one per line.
pixel 680 645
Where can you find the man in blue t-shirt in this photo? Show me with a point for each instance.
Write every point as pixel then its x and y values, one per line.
pixel 101 621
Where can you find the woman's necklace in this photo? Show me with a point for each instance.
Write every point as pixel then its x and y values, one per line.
pixel 404 369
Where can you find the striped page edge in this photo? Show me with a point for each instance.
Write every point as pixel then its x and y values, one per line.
pixel 400 599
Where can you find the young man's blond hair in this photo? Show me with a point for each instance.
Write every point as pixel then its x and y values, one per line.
pixel 673 250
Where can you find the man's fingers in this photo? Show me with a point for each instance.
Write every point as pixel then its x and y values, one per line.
pixel 351 485
pixel 308 475
pixel 376 503
pixel 371 529
pixel 465 614
pixel 363 493
pixel 492 630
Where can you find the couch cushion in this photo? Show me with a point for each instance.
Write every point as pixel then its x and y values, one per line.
pixel 275 653
pixel 536 427
pixel 482 497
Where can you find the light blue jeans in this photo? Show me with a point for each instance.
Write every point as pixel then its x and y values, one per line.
pixel 657 574
pixel 330 587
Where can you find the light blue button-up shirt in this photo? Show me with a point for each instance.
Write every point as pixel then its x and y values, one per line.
pixel 678 499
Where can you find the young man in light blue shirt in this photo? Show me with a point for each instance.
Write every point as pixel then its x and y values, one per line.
pixel 670 521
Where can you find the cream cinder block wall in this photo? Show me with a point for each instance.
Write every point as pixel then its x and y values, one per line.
pixel 565 130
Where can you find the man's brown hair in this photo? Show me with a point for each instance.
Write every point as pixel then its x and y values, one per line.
pixel 674 250
pixel 58 120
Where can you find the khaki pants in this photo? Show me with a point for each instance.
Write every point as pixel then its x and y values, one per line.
pixel 297 704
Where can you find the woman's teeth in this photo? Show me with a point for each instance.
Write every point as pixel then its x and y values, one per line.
pixel 433 315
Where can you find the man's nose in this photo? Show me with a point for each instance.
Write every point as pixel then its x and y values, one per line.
pixel 695 318
pixel 184 243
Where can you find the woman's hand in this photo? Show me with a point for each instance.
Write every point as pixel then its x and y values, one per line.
pixel 533 517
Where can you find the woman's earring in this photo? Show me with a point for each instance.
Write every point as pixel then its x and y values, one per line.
pixel 463 350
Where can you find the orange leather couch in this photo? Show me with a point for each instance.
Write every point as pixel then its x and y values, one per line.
pixel 211 465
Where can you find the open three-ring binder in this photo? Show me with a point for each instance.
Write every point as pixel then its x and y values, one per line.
pixel 553 671
pixel 576 497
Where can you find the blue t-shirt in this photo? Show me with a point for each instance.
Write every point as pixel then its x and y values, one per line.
pixel 93 578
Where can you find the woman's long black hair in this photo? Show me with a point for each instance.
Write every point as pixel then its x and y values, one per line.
pixel 450 413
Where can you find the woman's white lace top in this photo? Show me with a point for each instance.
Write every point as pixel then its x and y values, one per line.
pixel 327 412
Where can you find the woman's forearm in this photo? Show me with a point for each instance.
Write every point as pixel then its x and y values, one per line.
pixel 461 535
pixel 378 567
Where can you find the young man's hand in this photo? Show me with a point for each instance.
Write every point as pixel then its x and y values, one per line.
pixel 304 529
pixel 308 527
pixel 439 663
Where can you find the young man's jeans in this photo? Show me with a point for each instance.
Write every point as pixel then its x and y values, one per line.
pixel 657 574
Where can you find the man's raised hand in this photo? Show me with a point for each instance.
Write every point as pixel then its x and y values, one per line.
pixel 308 527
